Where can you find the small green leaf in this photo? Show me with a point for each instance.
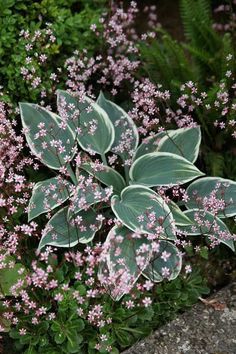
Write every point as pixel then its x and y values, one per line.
pixel 162 169
pixel 10 275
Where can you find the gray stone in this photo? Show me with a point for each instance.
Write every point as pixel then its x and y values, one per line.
pixel 208 328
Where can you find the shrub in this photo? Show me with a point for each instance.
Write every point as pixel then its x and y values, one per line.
pixel 70 23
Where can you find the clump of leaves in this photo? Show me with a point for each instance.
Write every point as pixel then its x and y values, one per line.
pixel 128 195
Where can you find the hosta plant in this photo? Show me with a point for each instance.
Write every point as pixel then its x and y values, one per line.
pixel 109 188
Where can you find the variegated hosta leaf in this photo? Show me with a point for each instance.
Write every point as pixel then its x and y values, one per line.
pixel 150 144
pixel 205 223
pixel 214 193
pixel 123 259
pixel 126 133
pixel 49 140
pixel 162 169
pixel 95 131
pixel 184 142
pixel 166 263
pixel 68 109
pixel 60 232
pixel 143 211
pixel 47 195
pixel 178 215
pixel 87 195
pixel 106 175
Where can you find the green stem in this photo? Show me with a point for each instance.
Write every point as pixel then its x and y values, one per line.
pixel 71 173
pixel 104 160
pixel 126 174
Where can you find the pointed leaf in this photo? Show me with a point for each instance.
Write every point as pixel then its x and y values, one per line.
pixel 106 175
pixel 162 169
pixel 142 210
pixel 150 144
pixel 205 223
pixel 47 195
pixel 212 192
pixel 84 197
pixel 124 258
pixel 166 263
pixel 178 215
pixel 60 232
pixel 51 142
pixel 126 133
pixel 184 142
pixel 96 132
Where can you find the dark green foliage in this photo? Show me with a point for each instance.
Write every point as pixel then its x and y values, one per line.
pixel 201 58
pixel 70 21
pixel 70 334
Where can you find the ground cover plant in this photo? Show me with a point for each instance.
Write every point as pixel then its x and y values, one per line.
pixel 107 216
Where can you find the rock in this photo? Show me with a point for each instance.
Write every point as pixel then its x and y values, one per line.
pixel 208 328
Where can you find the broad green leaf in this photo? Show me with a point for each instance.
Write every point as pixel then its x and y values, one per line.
pixel 150 144
pixel 47 138
pixel 162 169
pixel 142 210
pixel 60 232
pixel 87 196
pixel 184 142
pixel 10 275
pixel 107 175
pixel 47 195
pixel 205 223
pixel 166 263
pixel 123 260
pixel 126 133
pixel 212 191
pixel 68 109
pixel 178 215
pixel 96 132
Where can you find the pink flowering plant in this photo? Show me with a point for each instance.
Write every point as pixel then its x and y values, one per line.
pixel 112 191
